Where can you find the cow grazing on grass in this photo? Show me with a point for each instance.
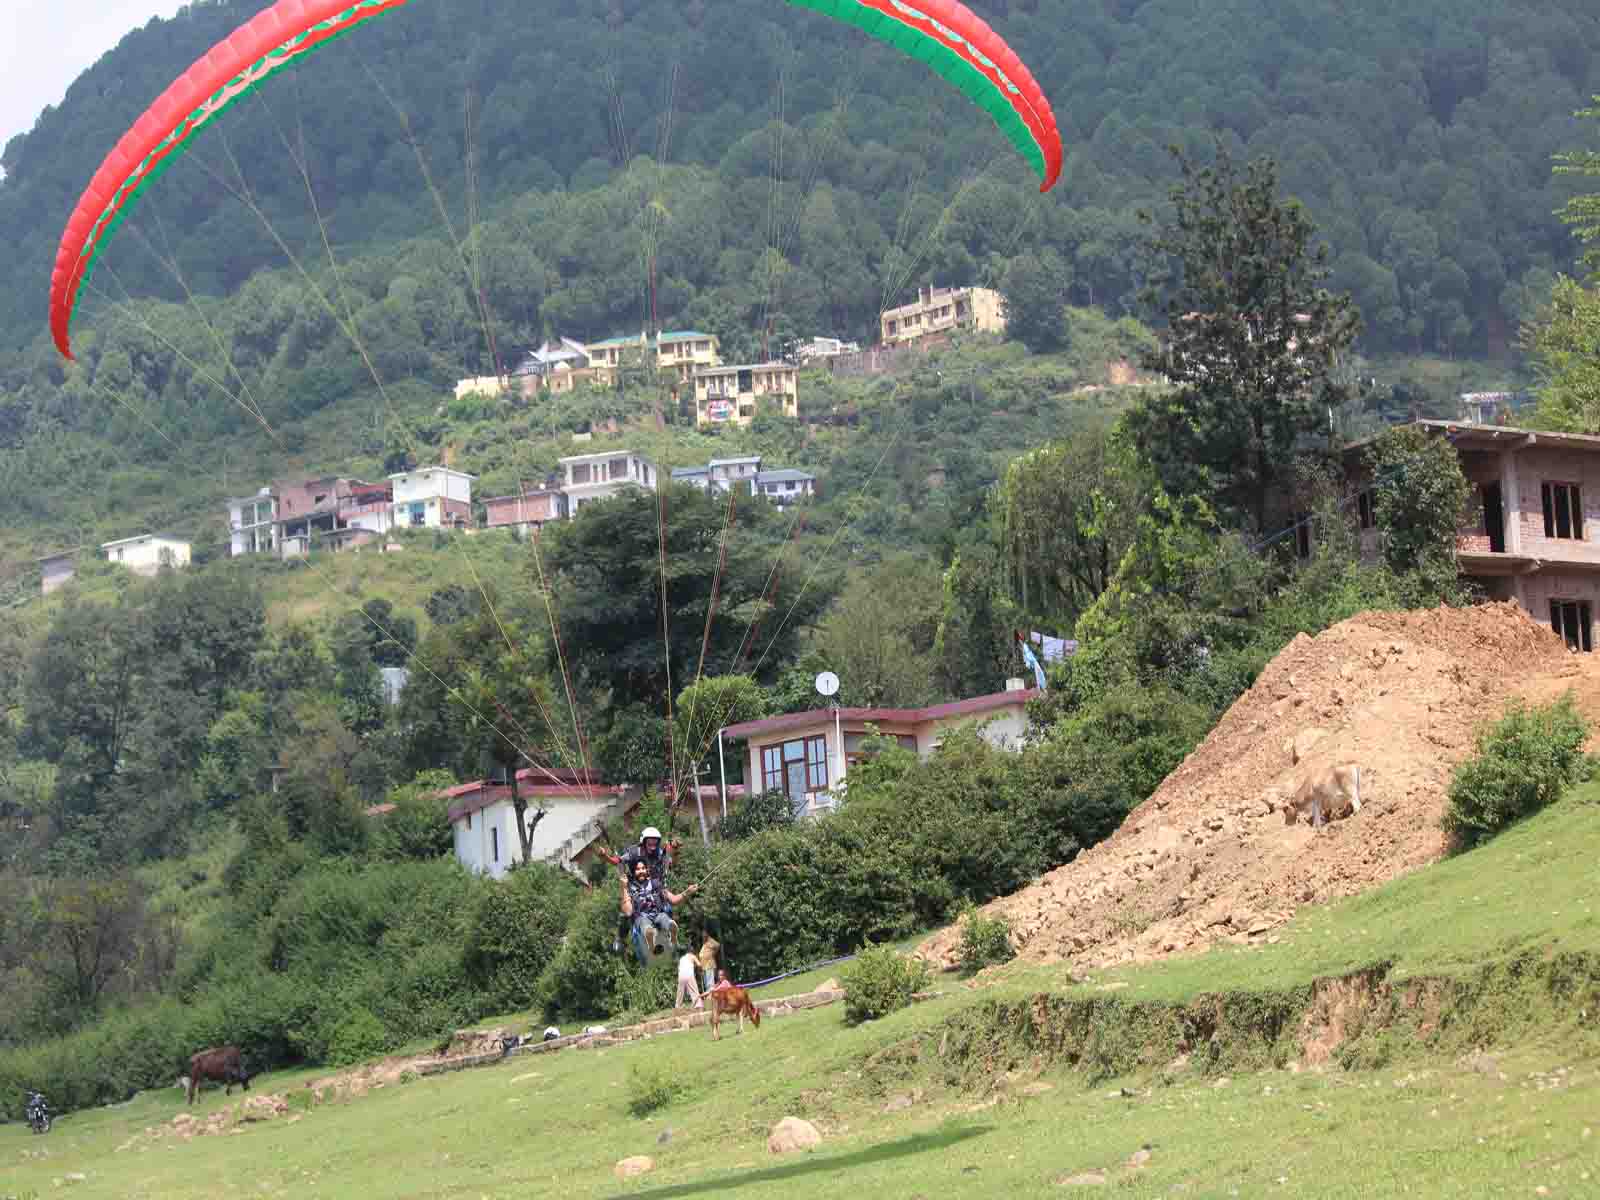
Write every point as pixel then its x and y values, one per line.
pixel 223 1064
pixel 1325 794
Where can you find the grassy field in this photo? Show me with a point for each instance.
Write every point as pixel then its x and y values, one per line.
pixel 902 1119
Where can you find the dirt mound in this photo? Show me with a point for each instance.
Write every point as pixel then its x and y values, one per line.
pixel 1209 857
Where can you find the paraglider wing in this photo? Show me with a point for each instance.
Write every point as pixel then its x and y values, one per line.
pixel 960 46
pixel 269 41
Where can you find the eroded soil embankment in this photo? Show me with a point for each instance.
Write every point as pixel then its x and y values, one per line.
pixel 1363 1019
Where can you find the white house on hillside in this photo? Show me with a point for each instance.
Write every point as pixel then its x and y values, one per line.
pixel 485 823
pixel 807 755
pixel 430 497
pixel 586 478
pixel 147 553
pixel 252 523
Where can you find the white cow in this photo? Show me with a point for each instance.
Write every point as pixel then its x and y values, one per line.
pixel 1327 793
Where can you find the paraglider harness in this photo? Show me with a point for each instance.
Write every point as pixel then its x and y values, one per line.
pixel 38 1113
pixel 657 863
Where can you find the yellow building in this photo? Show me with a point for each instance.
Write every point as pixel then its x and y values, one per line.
pixel 943 310
pixel 682 350
pixel 725 395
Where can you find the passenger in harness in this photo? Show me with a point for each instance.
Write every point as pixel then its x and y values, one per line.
pixel 648 904
pixel 656 854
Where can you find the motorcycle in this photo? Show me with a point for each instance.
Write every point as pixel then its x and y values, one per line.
pixel 38 1113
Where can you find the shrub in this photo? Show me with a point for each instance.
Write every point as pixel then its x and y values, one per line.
pixel 1524 761
pixel 651 1088
pixel 515 931
pixel 358 1037
pixel 985 941
pixel 586 976
pixel 762 810
pixel 647 991
pixel 880 982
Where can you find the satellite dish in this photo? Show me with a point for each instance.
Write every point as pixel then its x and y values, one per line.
pixel 827 683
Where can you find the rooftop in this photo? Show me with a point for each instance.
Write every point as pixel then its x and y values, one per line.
pixel 733 368
pixel 529 494
pixel 976 706
pixel 604 454
pixel 734 462
pixel 669 335
pixel 785 475
pixel 428 470
pixel 144 537
pixel 1502 437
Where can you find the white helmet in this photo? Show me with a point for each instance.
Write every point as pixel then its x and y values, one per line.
pixel 650 832
pixel 551 1033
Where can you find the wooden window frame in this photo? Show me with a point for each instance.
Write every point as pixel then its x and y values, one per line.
pixel 1581 636
pixel 1563 502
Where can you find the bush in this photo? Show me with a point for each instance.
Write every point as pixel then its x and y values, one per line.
pixel 880 982
pixel 1524 762
pixel 358 1037
pixel 586 976
pixel 515 931
pixel 985 941
pixel 763 810
pixel 650 990
pixel 651 1088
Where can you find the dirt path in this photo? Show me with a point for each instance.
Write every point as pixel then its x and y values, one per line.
pixel 1209 857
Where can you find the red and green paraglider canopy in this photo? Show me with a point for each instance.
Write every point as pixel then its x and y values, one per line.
pixel 945 34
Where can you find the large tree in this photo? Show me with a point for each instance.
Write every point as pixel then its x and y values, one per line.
pixel 480 702
pixel 1065 514
pixel 1583 212
pixel 607 570
pixel 1253 336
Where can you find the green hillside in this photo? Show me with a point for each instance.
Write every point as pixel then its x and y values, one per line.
pixel 1027 1085
pixel 746 168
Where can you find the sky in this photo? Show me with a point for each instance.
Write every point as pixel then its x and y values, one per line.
pixel 46 44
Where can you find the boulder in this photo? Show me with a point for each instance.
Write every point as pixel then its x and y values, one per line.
pixel 637 1165
pixel 791 1134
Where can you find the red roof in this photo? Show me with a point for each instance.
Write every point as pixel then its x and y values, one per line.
pixel 976 706
pixel 533 782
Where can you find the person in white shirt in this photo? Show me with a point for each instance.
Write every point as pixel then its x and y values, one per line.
pixel 688 965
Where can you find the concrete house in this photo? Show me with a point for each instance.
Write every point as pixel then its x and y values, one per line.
pixel 431 498
pixel 785 486
pixel 728 395
pixel 328 513
pixel 56 570
pixel 820 349
pixel 148 553
pixel 1534 532
pixel 807 756
pixel 253 524
pixel 590 477
pixel 576 806
pixel 528 511
pixel 941 311
pixel 683 351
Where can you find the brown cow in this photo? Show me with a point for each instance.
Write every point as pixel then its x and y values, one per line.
pixel 224 1064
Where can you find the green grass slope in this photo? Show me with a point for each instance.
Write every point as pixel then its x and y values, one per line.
pixel 944 1100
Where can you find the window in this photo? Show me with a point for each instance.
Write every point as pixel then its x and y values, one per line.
pixel 1364 510
pixel 619 468
pixel 1302 535
pixel 1563 511
pixel 580 473
pixel 795 768
pixel 469 820
pixel 494 842
pixel 1571 619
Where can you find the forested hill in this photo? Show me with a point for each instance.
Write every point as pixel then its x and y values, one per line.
pixel 1420 135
